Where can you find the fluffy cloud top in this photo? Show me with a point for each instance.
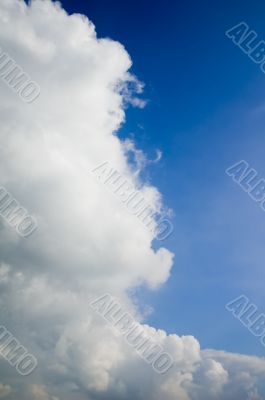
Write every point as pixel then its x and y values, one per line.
pixel 87 243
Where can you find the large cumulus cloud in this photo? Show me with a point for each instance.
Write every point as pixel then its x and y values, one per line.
pixel 87 243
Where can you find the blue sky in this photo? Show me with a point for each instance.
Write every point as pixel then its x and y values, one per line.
pixel 206 110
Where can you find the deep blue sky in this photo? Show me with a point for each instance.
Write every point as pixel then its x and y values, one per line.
pixel 206 111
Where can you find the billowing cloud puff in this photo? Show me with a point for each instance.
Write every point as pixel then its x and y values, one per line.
pixel 87 242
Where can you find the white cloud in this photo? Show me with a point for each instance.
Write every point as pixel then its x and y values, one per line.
pixel 86 243
pixel 5 390
pixel 39 392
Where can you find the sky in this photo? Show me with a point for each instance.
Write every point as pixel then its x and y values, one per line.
pixel 205 112
pixel 158 92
